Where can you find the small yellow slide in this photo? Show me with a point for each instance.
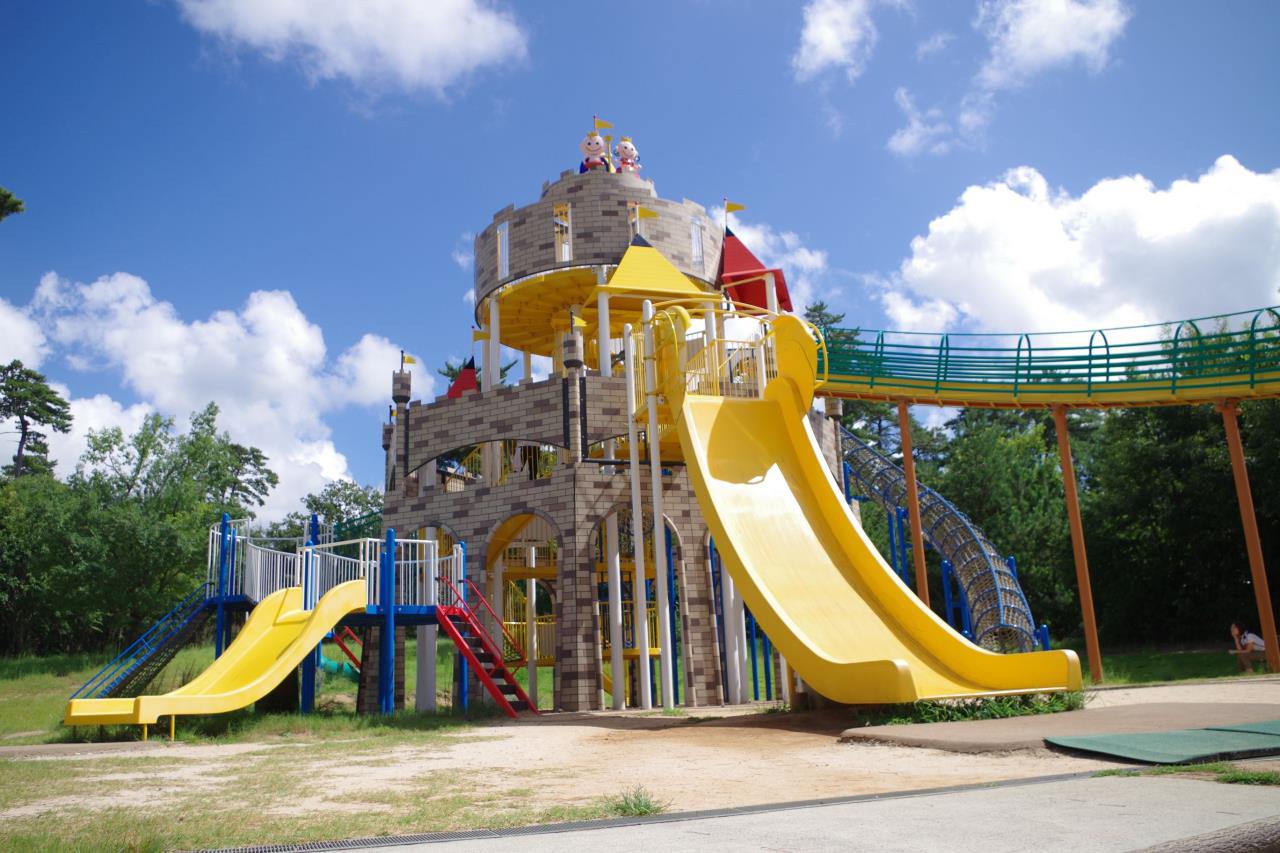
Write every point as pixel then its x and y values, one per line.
pixel 274 640
pixel 810 576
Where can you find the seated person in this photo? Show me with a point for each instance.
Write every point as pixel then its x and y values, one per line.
pixel 1249 647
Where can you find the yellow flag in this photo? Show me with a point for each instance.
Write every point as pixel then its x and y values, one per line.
pixel 645 213
pixel 601 124
pixel 733 207
pixel 408 359
pixel 479 335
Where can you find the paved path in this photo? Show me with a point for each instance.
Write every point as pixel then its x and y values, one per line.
pixel 1080 814
pixel 1030 732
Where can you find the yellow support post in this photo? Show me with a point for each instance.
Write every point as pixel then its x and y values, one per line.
pixel 1253 544
pixel 1077 545
pixel 172 727
pixel 144 732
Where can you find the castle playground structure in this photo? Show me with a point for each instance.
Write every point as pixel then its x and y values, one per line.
pixel 669 514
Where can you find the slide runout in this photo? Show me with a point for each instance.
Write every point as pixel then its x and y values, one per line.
pixel 275 639
pixel 813 580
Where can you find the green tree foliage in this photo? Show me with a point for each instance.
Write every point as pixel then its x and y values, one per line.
pixel 89 563
pixel 27 400
pixel 9 204
pixel 338 501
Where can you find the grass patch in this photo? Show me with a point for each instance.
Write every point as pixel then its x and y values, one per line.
pixel 1145 667
pixel 1218 771
pixel 637 802
pixel 959 710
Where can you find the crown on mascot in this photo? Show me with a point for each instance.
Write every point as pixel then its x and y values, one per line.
pixel 625 139
pixel 591 133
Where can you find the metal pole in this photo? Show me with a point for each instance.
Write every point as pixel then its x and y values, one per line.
pixel 307 687
pixel 1253 544
pixel 387 650
pixel 640 600
pixel 659 521
pixel 1092 648
pixel 613 559
pixel 220 625
pixel 913 503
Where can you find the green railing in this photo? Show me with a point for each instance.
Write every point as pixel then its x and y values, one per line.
pixel 1228 351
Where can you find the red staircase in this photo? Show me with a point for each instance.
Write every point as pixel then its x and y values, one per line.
pixel 460 622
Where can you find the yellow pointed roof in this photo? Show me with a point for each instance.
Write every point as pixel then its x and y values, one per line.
pixel 644 273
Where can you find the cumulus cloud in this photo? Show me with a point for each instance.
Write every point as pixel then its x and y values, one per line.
pixel 1017 254
pixel 20 337
pixel 1028 37
pixel 407 44
pixel 464 254
pixel 90 414
pixel 264 363
pixel 925 131
pixel 807 269
pixel 836 34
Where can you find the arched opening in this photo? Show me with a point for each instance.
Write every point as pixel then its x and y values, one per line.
pixel 521 566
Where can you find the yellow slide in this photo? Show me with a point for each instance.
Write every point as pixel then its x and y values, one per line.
pixel 810 576
pixel 274 640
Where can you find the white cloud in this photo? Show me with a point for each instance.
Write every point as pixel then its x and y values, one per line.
pixel 836 34
pixel 469 296
pixel 20 337
pixel 89 414
pixel 925 131
pixel 1017 255
pixel 265 364
pixel 464 254
pixel 409 44
pixel 806 269
pixel 1028 37
pixel 935 43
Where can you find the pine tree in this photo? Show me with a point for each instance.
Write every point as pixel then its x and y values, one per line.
pixel 25 397
pixel 9 203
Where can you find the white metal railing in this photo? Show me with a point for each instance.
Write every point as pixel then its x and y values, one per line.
pixel 263 571
pixel 448 574
pixel 732 368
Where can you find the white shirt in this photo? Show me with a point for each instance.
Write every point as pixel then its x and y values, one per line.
pixel 1250 640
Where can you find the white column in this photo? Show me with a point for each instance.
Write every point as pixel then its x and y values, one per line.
pixel 641 604
pixel 496 589
pixel 728 606
pixel 531 627
pixel 659 524
pixel 771 293
pixel 425 682
pixel 744 646
pixel 784 675
pixel 617 663
pixel 490 463
pixel 528 366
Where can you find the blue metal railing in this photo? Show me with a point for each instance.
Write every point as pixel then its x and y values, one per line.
pixel 137 653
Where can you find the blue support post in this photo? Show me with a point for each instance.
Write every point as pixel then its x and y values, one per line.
pixel 387 645
pixel 948 599
pixel 755 670
pixel 464 693
pixel 674 602
pixel 313 529
pixel 848 487
pixel 220 626
pixel 768 666
pixel 717 605
pixel 904 544
pixel 1043 636
pixel 1013 565
pixel 307 679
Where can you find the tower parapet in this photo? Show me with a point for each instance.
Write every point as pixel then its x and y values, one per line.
pixel 589 219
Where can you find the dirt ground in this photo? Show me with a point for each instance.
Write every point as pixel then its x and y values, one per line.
pixel 723 758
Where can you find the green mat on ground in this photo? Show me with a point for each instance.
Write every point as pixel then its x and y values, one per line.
pixel 1183 746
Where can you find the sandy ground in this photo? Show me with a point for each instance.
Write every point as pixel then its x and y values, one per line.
pixel 737 757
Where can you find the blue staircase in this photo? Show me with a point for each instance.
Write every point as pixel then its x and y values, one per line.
pixel 999 617
pixel 135 667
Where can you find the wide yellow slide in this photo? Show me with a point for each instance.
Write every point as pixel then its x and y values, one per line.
pixel 812 579
pixel 274 640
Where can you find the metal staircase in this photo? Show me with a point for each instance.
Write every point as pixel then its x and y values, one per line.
pixel 462 624
pixel 999 616
pixel 135 667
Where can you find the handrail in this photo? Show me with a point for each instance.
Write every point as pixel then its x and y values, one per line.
pixel 119 662
pixel 462 602
pixel 1098 364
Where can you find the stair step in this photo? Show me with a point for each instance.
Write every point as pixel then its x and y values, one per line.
pixel 508 688
pixel 519 705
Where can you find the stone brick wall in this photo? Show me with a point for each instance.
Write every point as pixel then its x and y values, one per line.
pixel 600 230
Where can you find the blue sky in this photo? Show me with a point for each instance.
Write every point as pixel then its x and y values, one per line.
pixel 260 202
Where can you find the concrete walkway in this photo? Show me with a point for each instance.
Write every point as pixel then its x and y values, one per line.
pixel 1080 814
pixel 1029 732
